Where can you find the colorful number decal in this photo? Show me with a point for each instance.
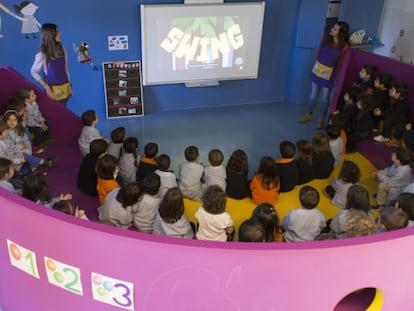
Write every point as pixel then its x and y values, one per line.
pixel 63 276
pixel 125 295
pixel 113 291
pixel 22 258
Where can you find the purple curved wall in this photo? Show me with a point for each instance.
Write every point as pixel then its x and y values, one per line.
pixel 173 274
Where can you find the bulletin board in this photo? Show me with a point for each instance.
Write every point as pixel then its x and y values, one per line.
pixel 123 89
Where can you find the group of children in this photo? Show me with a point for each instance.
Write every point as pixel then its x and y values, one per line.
pixel 375 105
pixel 141 191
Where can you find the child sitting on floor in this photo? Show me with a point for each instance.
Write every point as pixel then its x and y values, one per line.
pixel 366 78
pixel 346 224
pixel 107 172
pixel 322 155
pixel 305 163
pixel 265 183
pixel 393 179
pixel 215 224
pixel 147 163
pixel 120 203
pixel 128 160
pixel 87 178
pixel 267 216
pixel 237 186
pixel 286 166
pixel 251 230
pixel 170 219
pixel 6 173
pixel 405 201
pixel 69 207
pixel 89 131
pixel 147 207
pixel 306 222
pixel 191 174
pixel 36 123
pixel 117 142
pixel 348 176
pixel 392 218
pixel 336 142
pixel 167 178
pixel 215 173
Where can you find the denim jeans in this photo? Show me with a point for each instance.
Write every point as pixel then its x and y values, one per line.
pixel 326 94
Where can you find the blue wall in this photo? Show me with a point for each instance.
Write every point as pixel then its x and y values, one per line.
pixel 94 20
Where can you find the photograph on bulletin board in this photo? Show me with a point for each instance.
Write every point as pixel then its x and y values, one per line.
pixel 123 89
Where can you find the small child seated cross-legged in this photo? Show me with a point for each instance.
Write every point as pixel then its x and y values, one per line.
pixel 214 223
pixel 265 183
pixel 306 222
pixel 147 163
pixel 170 219
pixel 107 172
pixel 191 174
pixel 237 185
pixel 305 162
pixel 117 142
pixel 89 131
pixel 286 166
pixel 167 177
pixel 266 214
pixel 128 160
pixel 215 173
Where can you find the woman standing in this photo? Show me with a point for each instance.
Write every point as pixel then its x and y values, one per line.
pixel 52 61
pixel 325 70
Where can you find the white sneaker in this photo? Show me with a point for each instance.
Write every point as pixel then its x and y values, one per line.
pixel 381 139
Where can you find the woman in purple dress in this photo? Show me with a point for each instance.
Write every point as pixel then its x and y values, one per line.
pixel 325 69
pixel 51 61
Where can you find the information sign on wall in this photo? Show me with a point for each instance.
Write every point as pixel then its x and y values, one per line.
pixel 123 89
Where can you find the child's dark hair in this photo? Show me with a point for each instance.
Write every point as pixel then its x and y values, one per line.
pixel 15 103
pixel 386 79
pixel 333 131
pixel 163 162
pixel 151 150
pixel 355 92
pixel 106 166
pixel 36 189
pixel 343 36
pixel 405 201
pixel 131 145
pixel 19 128
pixel 171 207
pixel 305 150
pixel 3 126
pixel 370 69
pixel 214 200
pixel 215 157
pixel 405 155
pixel 88 117
pixel 357 198
pixel 393 218
pixel 287 149
pixel 367 101
pixel 268 170
pixel 308 197
pixel 5 165
pixel 66 206
pixel 350 172
pixel 98 147
pixel 191 153
pixel 266 214
pixel 118 135
pixel 237 163
pixel 151 183
pixel 251 230
pixel 129 194
pixel 23 93
pixel 320 143
pixel 401 88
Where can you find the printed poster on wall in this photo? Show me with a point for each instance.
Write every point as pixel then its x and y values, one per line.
pixel 123 89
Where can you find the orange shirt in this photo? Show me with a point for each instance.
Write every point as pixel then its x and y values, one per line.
pixel 261 195
pixel 104 186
